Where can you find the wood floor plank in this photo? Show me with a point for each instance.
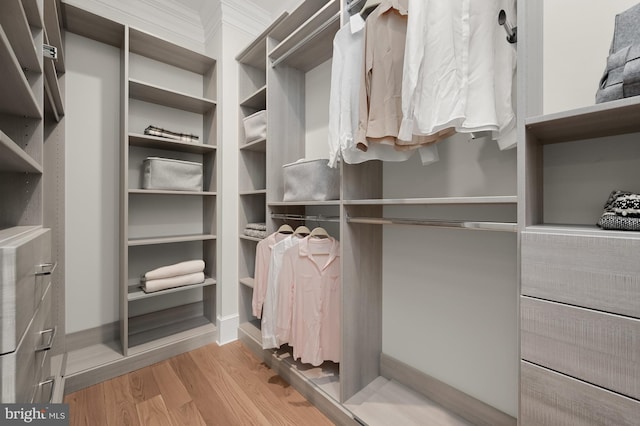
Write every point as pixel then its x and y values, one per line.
pixel 187 415
pixel 154 412
pixel 243 408
pixel 211 407
pixel 173 392
pixel 87 406
pixel 143 385
pixel 119 403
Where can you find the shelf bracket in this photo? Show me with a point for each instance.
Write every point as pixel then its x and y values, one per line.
pixel 49 52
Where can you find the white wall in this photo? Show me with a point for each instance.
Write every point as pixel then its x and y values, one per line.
pixel 92 184
pixel 577 37
pixel 317 83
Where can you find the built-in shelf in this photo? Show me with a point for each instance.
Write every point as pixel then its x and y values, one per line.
pixel 17 96
pixel 252 330
pixel 254 55
pixel 16 27
pixel 32 11
pixel 507 199
pixel 53 89
pixel 259 146
pixel 449 224
pixel 167 334
pixel 15 159
pixel 304 203
pixel 607 119
pixel 147 141
pixel 161 50
pixel 92 26
pixel 312 43
pixel 92 356
pixel 297 18
pixel 170 98
pixel 254 192
pixel 247 281
pixel 166 192
pixel 52 25
pixel 585 230
pixel 169 240
pixel 248 238
pixel 136 293
pixel 257 100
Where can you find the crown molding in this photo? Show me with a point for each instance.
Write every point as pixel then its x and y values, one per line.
pixel 162 17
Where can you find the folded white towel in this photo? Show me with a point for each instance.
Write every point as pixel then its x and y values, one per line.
pixel 150 286
pixel 182 268
pixel 257 226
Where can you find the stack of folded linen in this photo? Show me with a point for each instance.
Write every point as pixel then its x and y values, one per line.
pixel 163 133
pixel 177 275
pixel 256 230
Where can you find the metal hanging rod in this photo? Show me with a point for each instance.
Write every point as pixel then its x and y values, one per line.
pixel 302 218
pixel 459 224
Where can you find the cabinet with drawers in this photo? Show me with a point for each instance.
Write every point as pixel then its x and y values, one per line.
pixel 27 328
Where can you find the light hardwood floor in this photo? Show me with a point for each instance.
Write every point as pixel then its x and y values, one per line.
pixel 214 385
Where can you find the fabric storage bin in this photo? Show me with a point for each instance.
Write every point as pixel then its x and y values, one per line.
pixel 311 180
pixel 169 174
pixel 255 126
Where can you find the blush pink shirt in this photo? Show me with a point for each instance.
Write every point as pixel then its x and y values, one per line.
pixel 261 273
pixel 309 300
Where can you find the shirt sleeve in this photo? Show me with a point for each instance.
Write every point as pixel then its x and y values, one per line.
pixel 286 288
pixel 413 57
pixel 365 90
pixel 260 277
pixel 334 103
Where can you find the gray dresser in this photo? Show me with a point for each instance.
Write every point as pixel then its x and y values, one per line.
pixel 27 332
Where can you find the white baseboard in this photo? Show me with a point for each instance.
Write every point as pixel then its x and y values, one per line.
pixel 228 329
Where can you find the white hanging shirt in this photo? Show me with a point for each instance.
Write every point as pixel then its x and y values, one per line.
pixel 261 273
pixel 458 69
pixel 270 306
pixel 346 77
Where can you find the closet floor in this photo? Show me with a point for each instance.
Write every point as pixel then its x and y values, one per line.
pixel 213 385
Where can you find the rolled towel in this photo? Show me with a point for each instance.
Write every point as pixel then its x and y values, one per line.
pixel 149 286
pixel 182 268
pixel 256 226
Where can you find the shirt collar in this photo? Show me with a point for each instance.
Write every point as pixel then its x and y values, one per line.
pixel 356 23
pixel 400 5
pixel 334 251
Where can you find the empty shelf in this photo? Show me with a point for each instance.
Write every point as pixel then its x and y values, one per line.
pixel 170 98
pixel 167 334
pixel 595 121
pixel 136 293
pixel 32 11
pixel 586 230
pixel 296 18
pixel 169 240
pixel 166 192
pixel 259 146
pixel 147 141
pixel 90 357
pixel 15 159
pixel 440 201
pixel 14 22
pixel 18 98
pixel 257 100
pixel 254 192
pixel 251 329
pixel 248 281
pixel 92 26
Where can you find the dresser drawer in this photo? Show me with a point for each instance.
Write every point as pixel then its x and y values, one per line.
pixel 548 398
pixel 595 272
pixel 43 380
pixel 597 347
pixel 21 370
pixel 23 279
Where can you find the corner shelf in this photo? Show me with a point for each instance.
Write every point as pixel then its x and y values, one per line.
pixel 166 192
pixel 16 26
pixel 247 281
pixel 146 141
pixel 595 121
pixel 258 146
pixel 18 97
pixel 15 159
pixel 136 293
pixel 170 98
pixel 169 240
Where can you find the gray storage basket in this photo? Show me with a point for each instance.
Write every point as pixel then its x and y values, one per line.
pixel 255 126
pixel 169 174
pixel 311 180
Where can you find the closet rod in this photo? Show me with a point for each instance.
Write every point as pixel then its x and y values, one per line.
pixel 471 225
pixel 306 40
pixel 302 218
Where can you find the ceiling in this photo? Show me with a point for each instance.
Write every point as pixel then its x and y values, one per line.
pixel 274 6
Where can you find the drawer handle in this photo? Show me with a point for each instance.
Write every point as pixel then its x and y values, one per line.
pixel 46 268
pixel 51 380
pixel 52 333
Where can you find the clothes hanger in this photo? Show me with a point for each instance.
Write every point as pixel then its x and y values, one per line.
pixel 368 7
pixel 302 231
pixel 285 229
pixel 319 232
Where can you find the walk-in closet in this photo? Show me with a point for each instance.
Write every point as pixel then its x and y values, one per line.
pixel 328 211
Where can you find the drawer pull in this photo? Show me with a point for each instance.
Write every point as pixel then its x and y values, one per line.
pixel 52 381
pixel 46 268
pixel 52 333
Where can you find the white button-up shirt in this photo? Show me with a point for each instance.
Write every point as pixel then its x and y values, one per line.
pixel 261 272
pixel 458 69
